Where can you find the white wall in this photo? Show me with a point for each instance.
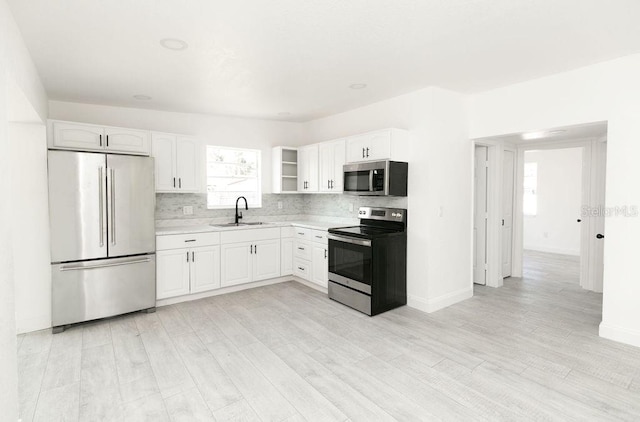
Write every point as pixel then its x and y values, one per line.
pixel 17 75
pixel 559 195
pixel 30 222
pixel 440 182
pixel 214 130
pixel 607 91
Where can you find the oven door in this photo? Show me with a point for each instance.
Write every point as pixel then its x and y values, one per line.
pixel 350 262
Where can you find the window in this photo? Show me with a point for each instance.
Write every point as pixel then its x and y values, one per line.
pixel 530 200
pixel 233 172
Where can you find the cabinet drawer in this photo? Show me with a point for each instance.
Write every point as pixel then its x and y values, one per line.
pixel 175 241
pixel 302 268
pixel 319 236
pixel 302 250
pixel 302 233
pixel 251 235
pixel 287 232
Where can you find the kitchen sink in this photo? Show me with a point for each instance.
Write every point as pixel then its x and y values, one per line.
pixel 255 223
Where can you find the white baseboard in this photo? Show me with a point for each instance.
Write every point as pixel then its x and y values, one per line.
pixel 440 302
pixel 223 290
pixel 37 323
pixel 620 334
pixel 542 248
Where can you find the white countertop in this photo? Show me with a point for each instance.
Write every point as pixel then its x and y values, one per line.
pixel 188 229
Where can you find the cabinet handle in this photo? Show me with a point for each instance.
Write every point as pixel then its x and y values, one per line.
pixel 174 182
pixel 301 234
pixel 180 182
pixel 328 184
pixel 255 249
pixel 193 257
pixel 301 269
pixel 301 249
pixel 251 249
pixel 318 237
pixel 189 240
pixel 362 152
pixel 332 184
pixel 107 140
pixel 187 256
pixel 100 139
pixel 367 152
pixel 325 254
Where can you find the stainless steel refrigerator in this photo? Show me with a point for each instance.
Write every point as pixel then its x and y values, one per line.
pixel 101 210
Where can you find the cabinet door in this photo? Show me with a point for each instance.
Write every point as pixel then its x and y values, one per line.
pixel 78 136
pixel 379 144
pixel 356 149
pixel 339 159
pixel 188 158
pixel 303 169
pixel 320 266
pixel 205 268
pixel 163 150
pixel 172 273
pixel 312 166
pixel 286 257
pixel 266 259
pixel 127 140
pixel 235 264
pixel 326 154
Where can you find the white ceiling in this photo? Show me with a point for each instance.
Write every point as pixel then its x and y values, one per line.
pixel 257 58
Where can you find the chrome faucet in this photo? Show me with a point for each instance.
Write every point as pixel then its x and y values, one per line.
pixel 246 207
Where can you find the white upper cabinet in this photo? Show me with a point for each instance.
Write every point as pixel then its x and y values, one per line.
pixel 127 140
pixel 86 137
pixel 386 144
pixel 308 169
pixel 178 163
pixel 331 160
pixel 285 169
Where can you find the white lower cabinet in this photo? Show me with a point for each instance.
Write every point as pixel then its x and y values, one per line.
pixel 320 265
pixel 181 269
pixel 250 255
pixel 311 256
pixel 172 273
pixel 205 268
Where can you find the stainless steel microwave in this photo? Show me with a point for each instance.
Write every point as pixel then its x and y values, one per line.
pixel 376 178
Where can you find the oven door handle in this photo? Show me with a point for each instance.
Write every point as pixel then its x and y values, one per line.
pixel 352 240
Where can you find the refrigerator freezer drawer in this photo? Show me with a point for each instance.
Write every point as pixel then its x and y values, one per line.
pixel 83 291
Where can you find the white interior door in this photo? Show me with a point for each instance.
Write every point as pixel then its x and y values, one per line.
pixel 507 211
pixel 480 217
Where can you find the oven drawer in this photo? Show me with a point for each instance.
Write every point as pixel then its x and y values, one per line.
pixel 302 250
pixel 302 268
pixel 351 298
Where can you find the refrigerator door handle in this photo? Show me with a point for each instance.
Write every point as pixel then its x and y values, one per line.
pixel 112 198
pixel 91 267
pixel 101 204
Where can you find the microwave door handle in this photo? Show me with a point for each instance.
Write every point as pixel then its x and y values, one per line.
pixel 371 189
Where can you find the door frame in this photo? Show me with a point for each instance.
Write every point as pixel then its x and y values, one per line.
pixel 592 163
pixel 494 201
pixel 514 193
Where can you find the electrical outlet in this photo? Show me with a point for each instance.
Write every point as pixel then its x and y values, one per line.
pixel 279 205
pixel 187 210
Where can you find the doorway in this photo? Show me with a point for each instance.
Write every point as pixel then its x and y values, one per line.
pixel 553 195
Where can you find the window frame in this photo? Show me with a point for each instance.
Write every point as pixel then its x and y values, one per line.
pixel 258 177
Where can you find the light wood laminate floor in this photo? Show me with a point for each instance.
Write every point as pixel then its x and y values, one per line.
pixel 527 351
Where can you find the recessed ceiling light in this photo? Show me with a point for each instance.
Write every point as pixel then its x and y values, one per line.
pixel 142 97
pixel 284 114
pixel 358 86
pixel 174 44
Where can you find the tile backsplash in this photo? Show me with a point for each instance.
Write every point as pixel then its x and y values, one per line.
pixel 169 206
